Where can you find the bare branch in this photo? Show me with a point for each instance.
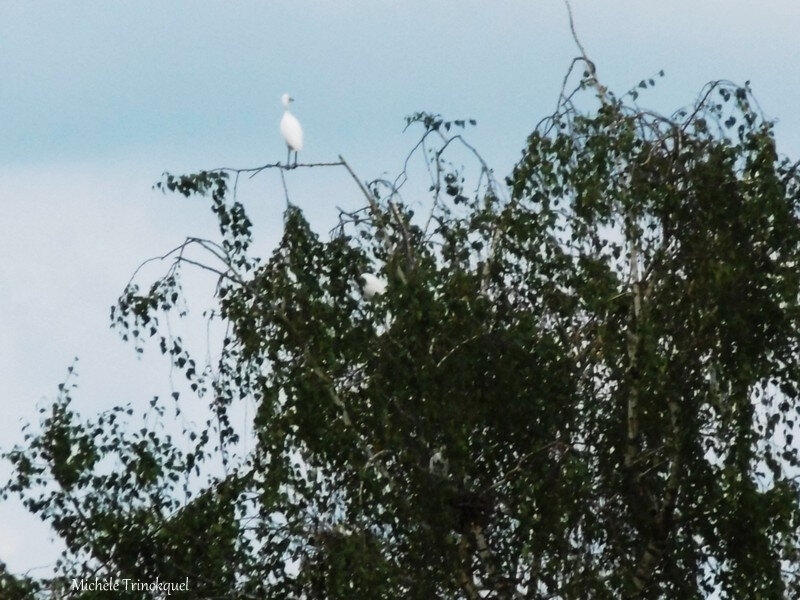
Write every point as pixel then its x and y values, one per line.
pixel 370 198
pixel 601 89
pixel 278 165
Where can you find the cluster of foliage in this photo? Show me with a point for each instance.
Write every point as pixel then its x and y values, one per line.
pixel 581 382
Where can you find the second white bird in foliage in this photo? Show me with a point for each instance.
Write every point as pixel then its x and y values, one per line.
pixel 291 130
pixel 372 285
pixel 438 464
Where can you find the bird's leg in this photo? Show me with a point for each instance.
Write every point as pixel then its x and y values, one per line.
pixel 295 158
pixel 288 154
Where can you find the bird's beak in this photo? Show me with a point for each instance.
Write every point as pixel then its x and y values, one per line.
pixel 291 99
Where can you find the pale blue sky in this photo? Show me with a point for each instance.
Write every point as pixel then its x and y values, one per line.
pixel 97 98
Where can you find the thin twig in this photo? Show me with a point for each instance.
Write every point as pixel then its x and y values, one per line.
pixel 364 190
pixel 285 189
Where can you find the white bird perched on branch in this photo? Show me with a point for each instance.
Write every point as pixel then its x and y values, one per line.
pixel 290 130
pixel 372 285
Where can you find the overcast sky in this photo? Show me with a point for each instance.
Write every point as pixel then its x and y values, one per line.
pixel 98 98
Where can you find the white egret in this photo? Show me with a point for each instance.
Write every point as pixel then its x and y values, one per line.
pixel 372 285
pixel 438 464
pixel 290 130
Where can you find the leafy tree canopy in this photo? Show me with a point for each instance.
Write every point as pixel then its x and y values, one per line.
pixel 581 381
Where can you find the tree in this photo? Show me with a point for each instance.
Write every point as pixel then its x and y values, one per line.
pixel 580 382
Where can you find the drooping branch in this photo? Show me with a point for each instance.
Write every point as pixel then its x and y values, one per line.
pixel 177 255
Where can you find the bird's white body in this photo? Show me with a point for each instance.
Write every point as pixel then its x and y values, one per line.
pixel 372 285
pixel 438 464
pixel 291 130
